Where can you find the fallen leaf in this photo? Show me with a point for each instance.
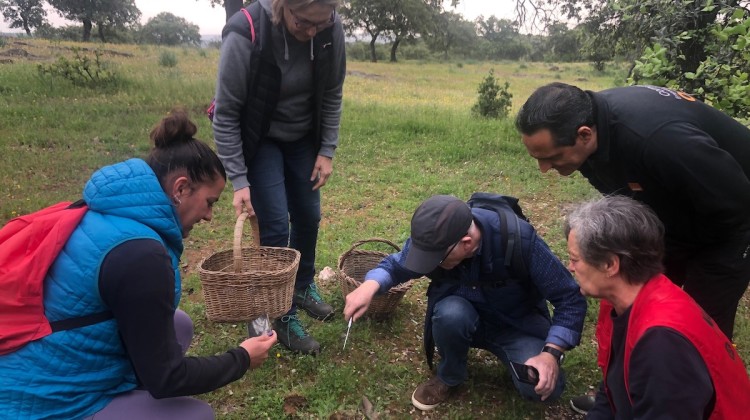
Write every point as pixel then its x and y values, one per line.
pixel 367 409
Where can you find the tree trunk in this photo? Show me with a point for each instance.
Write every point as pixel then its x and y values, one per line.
pixel 86 30
pixel 232 7
pixel 373 56
pixel 26 28
pixel 394 47
pixel 693 51
pixel 100 28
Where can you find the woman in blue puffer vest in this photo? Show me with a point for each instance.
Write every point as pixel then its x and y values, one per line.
pixel 124 258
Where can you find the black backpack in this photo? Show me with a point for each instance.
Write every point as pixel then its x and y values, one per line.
pixel 509 210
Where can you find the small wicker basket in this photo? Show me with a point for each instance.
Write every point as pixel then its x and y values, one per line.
pixel 354 265
pixel 243 284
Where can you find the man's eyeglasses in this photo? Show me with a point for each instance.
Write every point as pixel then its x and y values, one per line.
pixel 304 24
pixel 451 249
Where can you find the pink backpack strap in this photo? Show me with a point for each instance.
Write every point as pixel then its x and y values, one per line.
pixel 250 21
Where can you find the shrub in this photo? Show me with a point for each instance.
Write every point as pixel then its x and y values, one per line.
pixel 167 59
pixel 494 101
pixel 82 70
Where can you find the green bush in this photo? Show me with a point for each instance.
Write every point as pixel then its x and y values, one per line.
pixel 82 71
pixel 494 101
pixel 2 42
pixel 167 59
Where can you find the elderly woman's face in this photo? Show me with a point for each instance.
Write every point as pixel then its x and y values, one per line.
pixel 591 279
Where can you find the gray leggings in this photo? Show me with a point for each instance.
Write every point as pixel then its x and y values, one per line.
pixel 139 404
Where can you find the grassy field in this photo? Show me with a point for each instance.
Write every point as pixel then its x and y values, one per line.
pixel 407 133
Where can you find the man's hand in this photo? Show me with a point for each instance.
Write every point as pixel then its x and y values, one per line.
pixel 548 369
pixel 359 299
pixel 322 171
pixel 257 348
pixel 242 199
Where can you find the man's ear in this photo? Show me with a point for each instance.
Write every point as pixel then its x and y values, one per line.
pixel 586 133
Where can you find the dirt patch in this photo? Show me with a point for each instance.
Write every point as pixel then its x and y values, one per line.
pixel 191 257
pixel 293 403
pixel 365 75
pixel 108 52
pixel 16 52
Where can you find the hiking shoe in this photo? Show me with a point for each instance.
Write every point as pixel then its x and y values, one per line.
pixel 293 336
pixel 430 394
pixel 310 301
pixel 582 404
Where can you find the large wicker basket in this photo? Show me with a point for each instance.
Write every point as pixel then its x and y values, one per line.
pixel 243 284
pixel 354 265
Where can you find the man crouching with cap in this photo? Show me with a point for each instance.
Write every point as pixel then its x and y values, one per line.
pixel 473 300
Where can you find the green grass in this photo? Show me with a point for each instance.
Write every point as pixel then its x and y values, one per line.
pixel 407 133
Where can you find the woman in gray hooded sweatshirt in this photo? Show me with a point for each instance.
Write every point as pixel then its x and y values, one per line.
pixel 276 126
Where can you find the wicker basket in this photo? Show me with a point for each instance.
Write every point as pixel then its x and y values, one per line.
pixel 354 265
pixel 243 284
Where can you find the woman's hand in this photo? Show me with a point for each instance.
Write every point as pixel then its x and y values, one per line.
pixel 242 199
pixel 257 348
pixel 322 171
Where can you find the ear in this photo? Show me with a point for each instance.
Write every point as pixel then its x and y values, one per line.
pixel 586 134
pixel 612 267
pixel 180 186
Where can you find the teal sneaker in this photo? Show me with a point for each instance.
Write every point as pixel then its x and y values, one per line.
pixel 293 336
pixel 309 300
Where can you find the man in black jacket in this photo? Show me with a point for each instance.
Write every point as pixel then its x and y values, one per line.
pixel 686 160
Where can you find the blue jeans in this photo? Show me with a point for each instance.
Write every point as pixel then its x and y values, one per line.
pixel 457 326
pixel 287 208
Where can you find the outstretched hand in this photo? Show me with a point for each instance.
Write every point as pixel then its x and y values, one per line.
pixel 358 301
pixel 257 348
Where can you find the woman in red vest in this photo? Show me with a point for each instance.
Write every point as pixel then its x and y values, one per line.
pixel 660 354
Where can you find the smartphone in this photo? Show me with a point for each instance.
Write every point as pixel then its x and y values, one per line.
pixel 525 373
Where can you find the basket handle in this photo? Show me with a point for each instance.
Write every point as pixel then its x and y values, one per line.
pixel 362 242
pixel 238 227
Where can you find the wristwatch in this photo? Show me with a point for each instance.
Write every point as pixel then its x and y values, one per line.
pixel 559 355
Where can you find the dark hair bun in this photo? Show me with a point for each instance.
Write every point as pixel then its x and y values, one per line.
pixel 174 129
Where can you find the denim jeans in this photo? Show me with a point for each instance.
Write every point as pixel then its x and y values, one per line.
pixel 287 208
pixel 457 327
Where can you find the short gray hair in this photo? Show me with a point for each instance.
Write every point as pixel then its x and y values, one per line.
pixel 618 225
pixel 277 6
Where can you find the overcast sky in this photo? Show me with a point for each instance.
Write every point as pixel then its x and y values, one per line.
pixel 211 20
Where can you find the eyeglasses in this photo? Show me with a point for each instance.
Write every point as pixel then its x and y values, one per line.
pixel 451 249
pixel 304 24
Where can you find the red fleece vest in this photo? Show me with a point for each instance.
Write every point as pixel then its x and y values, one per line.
pixel 660 303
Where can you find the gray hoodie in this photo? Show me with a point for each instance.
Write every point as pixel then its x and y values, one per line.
pixel 293 117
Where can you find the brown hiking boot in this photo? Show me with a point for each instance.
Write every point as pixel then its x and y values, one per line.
pixel 430 394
